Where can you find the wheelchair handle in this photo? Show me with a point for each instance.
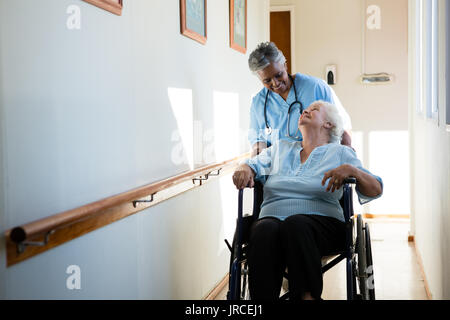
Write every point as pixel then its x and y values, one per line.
pixel 240 202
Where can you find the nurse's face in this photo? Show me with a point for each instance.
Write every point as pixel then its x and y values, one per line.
pixel 275 78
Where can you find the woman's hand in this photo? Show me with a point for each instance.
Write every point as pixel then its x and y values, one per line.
pixel 243 177
pixel 337 176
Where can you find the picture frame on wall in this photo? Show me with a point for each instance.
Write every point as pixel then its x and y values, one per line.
pixel 238 25
pixel 193 20
pixel 113 6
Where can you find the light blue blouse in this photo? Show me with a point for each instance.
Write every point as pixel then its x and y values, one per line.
pixel 309 89
pixel 294 188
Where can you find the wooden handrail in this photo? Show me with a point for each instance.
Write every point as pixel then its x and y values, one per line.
pixel 78 221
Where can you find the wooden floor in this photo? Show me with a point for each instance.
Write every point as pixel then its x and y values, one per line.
pixel 397 273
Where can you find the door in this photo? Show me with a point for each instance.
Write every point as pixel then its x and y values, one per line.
pixel 280 34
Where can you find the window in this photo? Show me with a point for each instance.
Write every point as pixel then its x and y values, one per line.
pixel 419 56
pixel 434 60
pixel 427 58
pixel 447 80
pixel 431 59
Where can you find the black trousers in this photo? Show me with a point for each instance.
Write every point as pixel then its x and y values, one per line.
pixel 298 243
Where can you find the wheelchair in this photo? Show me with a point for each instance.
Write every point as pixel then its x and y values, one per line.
pixel 358 252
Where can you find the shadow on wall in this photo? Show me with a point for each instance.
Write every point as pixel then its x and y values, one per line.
pixel 2 190
pixel 182 252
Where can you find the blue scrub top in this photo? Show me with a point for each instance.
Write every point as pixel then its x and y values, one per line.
pixel 309 89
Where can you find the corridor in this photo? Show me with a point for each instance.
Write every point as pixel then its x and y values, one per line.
pixel 122 124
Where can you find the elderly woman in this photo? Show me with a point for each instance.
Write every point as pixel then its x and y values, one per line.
pixel 301 219
pixel 276 108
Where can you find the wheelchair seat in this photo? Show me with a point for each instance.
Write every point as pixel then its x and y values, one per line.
pixel 326 259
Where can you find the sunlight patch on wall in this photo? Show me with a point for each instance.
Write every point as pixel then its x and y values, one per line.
pixel 226 146
pixel 226 125
pixel 389 159
pixel 183 136
pixel 358 145
pixel 229 205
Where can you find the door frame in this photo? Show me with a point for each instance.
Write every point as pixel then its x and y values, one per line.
pixel 291 10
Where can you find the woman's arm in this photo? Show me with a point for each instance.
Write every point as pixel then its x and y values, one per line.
pixel 256 167
pixel 256 131
pixel 258 147
pixel 366 183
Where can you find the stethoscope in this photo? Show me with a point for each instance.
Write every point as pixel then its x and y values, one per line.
pixel 288 134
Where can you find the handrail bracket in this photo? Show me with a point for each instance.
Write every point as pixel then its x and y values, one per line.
pixel 206 176
pixel 200 179
pixel 21 246
pixel 135 202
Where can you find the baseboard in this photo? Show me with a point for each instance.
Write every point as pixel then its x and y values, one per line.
pixel 217 289
pixel 422 271
pixel 385 216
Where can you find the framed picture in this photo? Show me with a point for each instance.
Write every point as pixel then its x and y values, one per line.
pixel 193 19
pixel 238 25
pixel 114 6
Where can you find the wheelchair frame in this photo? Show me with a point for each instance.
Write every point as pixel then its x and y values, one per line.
pixel 358 255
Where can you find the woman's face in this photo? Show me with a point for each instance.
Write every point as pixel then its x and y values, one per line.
pixel 315 115
pixel 275 77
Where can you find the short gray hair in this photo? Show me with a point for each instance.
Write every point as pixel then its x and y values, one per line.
pixel 265 54
pixel 335 118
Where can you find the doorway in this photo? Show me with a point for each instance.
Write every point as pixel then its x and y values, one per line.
pixel 282 32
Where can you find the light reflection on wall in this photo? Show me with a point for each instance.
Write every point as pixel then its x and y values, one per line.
pixel 386 154
pixel 226 146
pixel 183 137
pixel 226 125
pixel 358 145
pixel 389 158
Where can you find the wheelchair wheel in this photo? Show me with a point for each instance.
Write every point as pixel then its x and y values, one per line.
pixel 238 282
pixel 362 258
pixel 370 279
pixel 238 276
pixel 245 293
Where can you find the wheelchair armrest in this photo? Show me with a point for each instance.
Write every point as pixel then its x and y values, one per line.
pixel 350 180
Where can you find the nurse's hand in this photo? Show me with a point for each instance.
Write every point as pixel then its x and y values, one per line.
pixel 346 139
pixel 243 177
pixel 337 176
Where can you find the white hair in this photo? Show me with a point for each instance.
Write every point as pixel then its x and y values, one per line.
pixel 265 54
pixel 334 118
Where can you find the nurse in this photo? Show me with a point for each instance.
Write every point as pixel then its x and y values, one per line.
pixel 277 107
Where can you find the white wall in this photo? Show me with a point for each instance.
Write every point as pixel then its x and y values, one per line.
pixel 430 151
pixel 90 113
pixel 331 32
